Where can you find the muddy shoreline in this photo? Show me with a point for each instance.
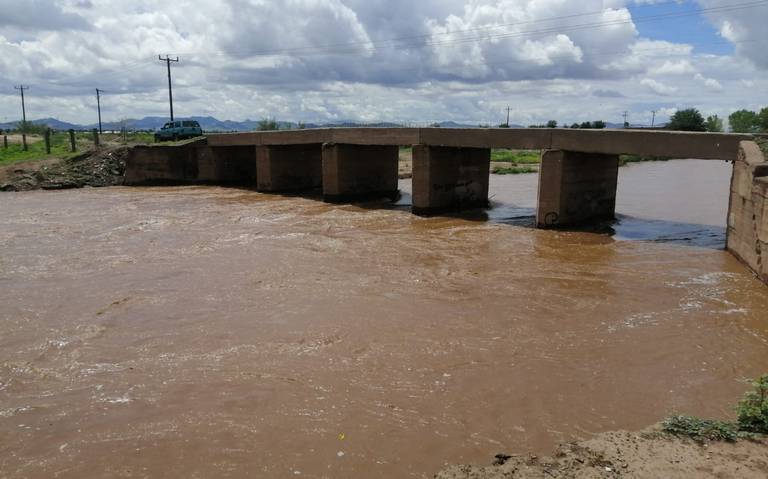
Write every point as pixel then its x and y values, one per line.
pixel 646 454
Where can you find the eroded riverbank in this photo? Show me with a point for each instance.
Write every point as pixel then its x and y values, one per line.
pixel 223 333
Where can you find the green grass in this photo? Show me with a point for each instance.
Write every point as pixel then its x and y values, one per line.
pixel 519 157
pixel 515 170
pixel 36 150
pixel 60 147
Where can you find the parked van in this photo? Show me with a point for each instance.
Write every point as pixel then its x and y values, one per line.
pixel 178 130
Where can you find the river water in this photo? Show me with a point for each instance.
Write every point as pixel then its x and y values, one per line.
pixel 208 332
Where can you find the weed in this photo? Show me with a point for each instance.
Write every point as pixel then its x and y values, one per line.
pixel 626 159
pixel 526 157
pixel 701 429
pixel 515 170
pixel 752 410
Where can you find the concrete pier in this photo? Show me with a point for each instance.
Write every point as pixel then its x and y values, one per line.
pixel 576 188
pixel 355 172
pixel 287 168
pixel 450 178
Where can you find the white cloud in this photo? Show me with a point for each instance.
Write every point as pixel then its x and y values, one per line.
pixel 657 87
pixel 319 60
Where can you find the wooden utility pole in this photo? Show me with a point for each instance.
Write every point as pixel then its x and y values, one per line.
pixel 168 61
pixel 653 119
pixel 23 106
pixel 626 117
pixel 72 144
pixel 47 138
pixel 508 110
pixel 98 106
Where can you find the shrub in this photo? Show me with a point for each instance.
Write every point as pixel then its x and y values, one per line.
pixel 753 408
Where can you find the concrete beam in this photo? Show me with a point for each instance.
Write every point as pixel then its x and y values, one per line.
pixel 449 178
pixel 576 188
pixel 615 142
pixel 673 144
pixel 357 172
pixel 289 168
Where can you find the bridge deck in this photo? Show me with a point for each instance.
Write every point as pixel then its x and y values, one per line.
pixel 720 146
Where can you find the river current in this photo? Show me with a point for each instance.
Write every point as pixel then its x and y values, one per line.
pixel 211 332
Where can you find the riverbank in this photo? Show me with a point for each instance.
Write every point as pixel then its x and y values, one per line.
pixel 647 454
pixel 102 167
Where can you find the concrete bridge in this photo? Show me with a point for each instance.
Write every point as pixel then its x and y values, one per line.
pixel 451 169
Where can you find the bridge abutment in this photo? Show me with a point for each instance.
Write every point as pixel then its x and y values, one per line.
pixel 288 168
pixel 748 209
pixel 576 188
pixel 450 178
pixel 357 172
pixel 194 163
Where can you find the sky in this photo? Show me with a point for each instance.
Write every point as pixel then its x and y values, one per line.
pixel 384 60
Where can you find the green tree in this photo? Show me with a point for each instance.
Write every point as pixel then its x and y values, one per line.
pixel 714 124
pixel 576 125
pixel 29 128
pixel 763 115
pixel 689 119
pixel 744 121
pixel 267 124
pixel 551 124
pixel 598 125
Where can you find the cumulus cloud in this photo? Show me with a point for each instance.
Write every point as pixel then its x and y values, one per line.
pixel 320 60
pixel 38 15
pixel 657 87
pixel 745 27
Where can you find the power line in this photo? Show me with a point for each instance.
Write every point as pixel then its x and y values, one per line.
pixel 168 61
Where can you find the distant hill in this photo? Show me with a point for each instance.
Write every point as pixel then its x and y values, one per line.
pixel 211 124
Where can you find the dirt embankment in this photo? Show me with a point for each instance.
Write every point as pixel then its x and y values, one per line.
pixel 105 167
pixel 649 454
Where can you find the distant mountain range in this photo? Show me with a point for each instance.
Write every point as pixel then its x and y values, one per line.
pixel 209 123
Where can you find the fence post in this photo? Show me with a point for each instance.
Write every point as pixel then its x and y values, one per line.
pixel 47 138
pixel 96 137
pixel 72 144
pixel 24 140
pixel 5 141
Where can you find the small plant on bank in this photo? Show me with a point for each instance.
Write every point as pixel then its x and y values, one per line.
pixel 752 413
pixel 701 429
pixel 753 409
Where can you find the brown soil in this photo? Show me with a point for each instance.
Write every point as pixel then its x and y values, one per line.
pixel 105 167
pixel 649 454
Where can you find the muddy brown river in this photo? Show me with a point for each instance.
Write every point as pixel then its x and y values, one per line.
pixel 209 333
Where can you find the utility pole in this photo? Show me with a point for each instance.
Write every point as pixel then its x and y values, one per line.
pixel 653 119
pixel 508 109
pixel 626 116
pixel 98 106
pixel 168 61
pixel 23 107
